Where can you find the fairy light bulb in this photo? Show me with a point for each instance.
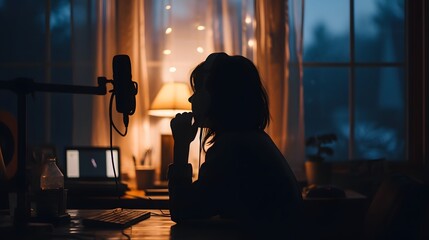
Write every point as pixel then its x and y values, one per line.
pixel 251 43
pixel 167 7
pixel 172 69
pixel 200 27
pixel 248 20
pixel 200 49
pixel 168 30
pixel 166 52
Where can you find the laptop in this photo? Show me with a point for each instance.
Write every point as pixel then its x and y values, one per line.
pixel 89 171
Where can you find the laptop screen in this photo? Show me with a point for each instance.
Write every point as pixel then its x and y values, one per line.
pixel 91 163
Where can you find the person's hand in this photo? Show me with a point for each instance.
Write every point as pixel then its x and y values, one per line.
pixel 184 131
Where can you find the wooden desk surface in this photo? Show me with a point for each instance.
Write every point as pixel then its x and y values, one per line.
pixel 157 227
pixel 345 214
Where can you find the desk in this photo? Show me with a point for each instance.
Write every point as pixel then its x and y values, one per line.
pixel 325 218
pixel 157 227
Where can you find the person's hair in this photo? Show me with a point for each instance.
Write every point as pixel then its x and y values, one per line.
pixel 238 100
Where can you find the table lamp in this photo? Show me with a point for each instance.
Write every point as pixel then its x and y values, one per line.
pixel 170 100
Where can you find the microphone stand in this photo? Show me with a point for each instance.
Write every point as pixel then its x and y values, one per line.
pixel 22 87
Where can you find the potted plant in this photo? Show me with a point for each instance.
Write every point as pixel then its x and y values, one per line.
pixel 317 170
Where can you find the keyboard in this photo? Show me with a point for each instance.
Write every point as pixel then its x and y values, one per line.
pixel 115 218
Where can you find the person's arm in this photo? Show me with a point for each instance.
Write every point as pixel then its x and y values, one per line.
pixel 185 196
pixel 192 200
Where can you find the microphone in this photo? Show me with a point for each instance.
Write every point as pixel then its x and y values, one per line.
pixel 124 88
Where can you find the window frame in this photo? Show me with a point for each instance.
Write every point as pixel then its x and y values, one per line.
pixel 418 57
pixel 352 65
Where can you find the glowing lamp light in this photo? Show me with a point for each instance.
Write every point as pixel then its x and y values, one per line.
pixel 171 99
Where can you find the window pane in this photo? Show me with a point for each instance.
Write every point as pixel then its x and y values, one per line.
pixel 22 31
pixel 61 30
pixel 326 31
pixel 326 106
pixel 61 125
pixel 380 113
pixel 379 27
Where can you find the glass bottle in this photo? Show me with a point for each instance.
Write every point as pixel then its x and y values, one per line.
pixel 51 177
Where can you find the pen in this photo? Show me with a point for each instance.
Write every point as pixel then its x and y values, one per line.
pixel 145 156
pixel 135 162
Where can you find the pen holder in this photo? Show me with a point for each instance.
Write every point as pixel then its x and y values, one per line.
pixel 145 177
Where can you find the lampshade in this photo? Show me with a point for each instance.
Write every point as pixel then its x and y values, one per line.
pixel 171 99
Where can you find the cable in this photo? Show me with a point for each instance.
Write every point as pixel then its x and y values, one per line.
pixel 111 148
pixel 150 199
pixel 126 235
pixel 112 124
pixel 162 213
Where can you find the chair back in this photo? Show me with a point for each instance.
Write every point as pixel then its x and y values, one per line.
pixel 398 210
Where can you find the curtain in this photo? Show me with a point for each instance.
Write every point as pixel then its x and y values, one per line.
pixel 233 27
pixel 120 30
pixel 279 60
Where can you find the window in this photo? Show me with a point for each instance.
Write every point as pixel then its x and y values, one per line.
pixel 49 55
pixel 354 76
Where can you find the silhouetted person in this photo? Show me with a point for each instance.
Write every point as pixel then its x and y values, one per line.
pixel 244 177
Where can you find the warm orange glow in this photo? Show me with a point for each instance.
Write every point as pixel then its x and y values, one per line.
pixel 171 99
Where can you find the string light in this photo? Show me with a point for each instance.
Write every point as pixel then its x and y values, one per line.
pixel 200 49
pixel 251 43
pixel 168 32
pixel 201 28
pixel 248 20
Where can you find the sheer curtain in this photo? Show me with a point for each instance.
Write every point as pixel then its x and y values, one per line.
pixel 233 27
pixel 279 60
pixel 120 30
pixel 260 30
